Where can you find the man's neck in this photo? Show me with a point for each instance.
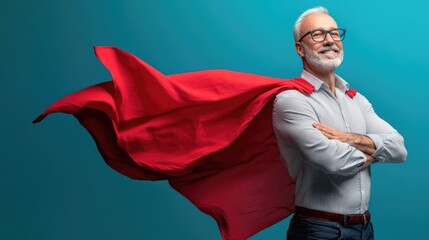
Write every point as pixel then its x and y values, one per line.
pixel 327 77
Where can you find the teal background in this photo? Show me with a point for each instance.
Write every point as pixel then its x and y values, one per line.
pixel 55 185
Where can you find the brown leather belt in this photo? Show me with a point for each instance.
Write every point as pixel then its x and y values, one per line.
pixel 333 217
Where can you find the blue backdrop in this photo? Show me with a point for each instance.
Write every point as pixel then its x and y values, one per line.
pixel 55 185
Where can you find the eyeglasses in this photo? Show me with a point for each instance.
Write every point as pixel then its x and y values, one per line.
pixel 319 35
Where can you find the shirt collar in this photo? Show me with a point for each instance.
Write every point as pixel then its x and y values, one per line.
pixel 340 83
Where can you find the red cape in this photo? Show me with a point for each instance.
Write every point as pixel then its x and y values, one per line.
pixel 209 133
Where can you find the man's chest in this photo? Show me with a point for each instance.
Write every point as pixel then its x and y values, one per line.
pixel 341 112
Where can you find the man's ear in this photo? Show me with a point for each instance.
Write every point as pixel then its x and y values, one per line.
pixel 299 49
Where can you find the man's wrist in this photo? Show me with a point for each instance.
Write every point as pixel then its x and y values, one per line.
pixel 369 160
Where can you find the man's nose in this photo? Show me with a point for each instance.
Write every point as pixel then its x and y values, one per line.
pixel 328 40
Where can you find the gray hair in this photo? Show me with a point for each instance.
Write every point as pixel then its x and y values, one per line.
pixel 311 11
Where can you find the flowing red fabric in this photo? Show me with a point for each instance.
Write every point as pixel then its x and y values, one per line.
pixel 209 133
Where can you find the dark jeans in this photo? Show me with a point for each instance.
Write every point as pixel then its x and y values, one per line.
pixel 305 228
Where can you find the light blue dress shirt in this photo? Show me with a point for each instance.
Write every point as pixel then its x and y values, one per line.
pixel 328 173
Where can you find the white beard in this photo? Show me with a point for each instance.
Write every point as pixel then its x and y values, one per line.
pixel 314 59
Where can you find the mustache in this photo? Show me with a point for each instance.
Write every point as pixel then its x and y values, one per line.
pixel 328 48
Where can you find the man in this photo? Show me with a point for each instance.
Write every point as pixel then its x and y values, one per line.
pixel 330 138
pixel 209 134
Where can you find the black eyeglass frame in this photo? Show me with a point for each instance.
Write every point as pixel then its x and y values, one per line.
pixel 342 36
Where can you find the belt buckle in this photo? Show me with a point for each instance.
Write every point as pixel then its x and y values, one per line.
pixel 345 219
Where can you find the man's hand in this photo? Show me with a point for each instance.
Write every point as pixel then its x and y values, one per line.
pixel 360 142
pixel 369 160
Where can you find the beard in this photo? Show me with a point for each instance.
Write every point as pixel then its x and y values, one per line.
pixel 315 59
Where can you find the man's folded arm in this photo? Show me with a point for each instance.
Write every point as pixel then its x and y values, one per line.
pixel 293 117
pixel 389 144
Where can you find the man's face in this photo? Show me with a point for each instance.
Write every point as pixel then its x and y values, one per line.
pixel 326 55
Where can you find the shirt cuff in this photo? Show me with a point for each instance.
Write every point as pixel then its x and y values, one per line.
pixel 361 162
pixel 379 147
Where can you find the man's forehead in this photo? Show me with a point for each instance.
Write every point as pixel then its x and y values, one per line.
pixel 318 20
